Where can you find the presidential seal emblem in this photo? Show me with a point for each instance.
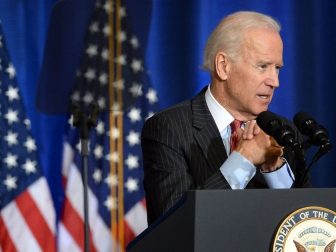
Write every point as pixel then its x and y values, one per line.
pixel 309 229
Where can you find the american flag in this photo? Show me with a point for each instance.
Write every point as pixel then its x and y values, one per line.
pixel 27 217
pixel 113 75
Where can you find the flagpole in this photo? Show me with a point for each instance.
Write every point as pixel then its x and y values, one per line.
pixel 85 158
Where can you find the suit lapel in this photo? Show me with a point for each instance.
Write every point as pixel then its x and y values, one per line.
pixel 206 132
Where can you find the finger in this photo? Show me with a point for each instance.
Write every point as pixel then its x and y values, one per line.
pixel 256 128
pixel 266 139
pixel 275 152
pixel 248 130
pixel 240 133
pixel 274 142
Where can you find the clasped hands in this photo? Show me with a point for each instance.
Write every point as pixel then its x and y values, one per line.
pixel 259 148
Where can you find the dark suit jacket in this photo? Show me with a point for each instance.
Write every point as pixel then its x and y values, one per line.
pixel 183 150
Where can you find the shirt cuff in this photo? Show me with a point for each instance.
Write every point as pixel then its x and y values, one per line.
pixel 237 170
pixel 280 178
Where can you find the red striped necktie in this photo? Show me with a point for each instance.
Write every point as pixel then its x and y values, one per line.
pixel 235 125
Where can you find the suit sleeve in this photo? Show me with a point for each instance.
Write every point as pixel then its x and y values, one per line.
pixel 167 171
pixel 166 175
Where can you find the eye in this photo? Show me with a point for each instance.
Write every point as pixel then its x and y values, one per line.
pixel 277 68
pixel 262 66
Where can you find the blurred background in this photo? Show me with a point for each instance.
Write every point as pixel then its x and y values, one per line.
pixel 172 35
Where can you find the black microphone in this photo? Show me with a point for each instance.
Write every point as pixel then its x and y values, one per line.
pixel 276 127
pixel 317 133
pixel 285 135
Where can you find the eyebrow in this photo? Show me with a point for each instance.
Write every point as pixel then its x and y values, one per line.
pixel 270 63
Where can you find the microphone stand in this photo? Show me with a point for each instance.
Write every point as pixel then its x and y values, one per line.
pixel 302 167
pixel 85 123
pixel 324 149
pixel 301 174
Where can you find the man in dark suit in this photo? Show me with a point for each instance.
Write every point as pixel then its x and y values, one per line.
pixel 190 146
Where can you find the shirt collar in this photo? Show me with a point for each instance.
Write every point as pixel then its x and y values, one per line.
pixel 221 116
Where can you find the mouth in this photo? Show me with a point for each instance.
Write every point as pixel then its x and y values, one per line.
pixel 264 97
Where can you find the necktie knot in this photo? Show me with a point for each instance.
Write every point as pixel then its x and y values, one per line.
pixel 235 125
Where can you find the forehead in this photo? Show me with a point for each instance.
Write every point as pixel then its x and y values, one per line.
pixel 263 43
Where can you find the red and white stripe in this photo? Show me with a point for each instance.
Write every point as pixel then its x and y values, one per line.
pixel 135 220
pixel 28 222
pixel 71 228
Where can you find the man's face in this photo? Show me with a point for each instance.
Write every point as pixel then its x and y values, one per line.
pixel 253 78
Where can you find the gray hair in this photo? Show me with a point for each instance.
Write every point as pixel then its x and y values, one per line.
pixel 228 35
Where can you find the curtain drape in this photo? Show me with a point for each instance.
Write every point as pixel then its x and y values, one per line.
pixel 177 33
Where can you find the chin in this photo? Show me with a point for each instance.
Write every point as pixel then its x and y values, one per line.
pixel 258 111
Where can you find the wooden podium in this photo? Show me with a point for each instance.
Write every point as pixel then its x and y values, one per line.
pixel 228 220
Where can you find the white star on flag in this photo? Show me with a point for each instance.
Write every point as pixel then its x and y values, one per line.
pixel 106 30
pixel 30 144
pixel 103 78
pixel 92 50
pixel 136 65
pixel 132 161
pixel 110 203
pixel 133 138
pixel 136 89
pixel 11 160
pixel 122 36
pixel 111 180
pixel 122 12
pixel 115 133
pixel 29 166
pixel 11 71
pixel 121 59
pixel 88 98
pixel 10 182
pixel 98 152
pixel 97 175
pixel 100 128
pixel 75 96
pixel 151 96
pixel 102 103
pixel 131 184
pixel 90 74
pixel 94 27
pixel 119 84
pixel 27 123
pixel 11 138
pixel 105 54
pixel 12 116
pixel 115 157
pixel 12 93
pixel 135 115
pixel 134 42
pixel 108 7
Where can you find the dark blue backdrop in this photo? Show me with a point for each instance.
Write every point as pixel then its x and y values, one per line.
pixel 174 46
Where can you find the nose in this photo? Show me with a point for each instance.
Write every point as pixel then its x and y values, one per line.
pixel 273 77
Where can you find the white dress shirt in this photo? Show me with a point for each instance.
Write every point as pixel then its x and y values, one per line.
pixel 236 169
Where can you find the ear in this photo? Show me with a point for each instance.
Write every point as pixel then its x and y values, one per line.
pixel 222 65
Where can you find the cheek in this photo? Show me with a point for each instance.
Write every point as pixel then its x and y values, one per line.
pixel 254 82
pixel 241 91
pixel 245 82
pixel 247 77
